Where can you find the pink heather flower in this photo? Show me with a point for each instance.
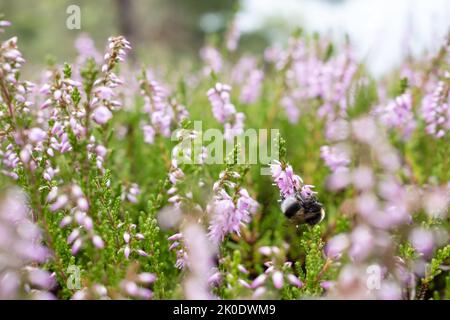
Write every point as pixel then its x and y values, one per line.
pixel 212 58
pixel 86 49
pixel 98 242
pixel 244 283
pixel 142 253
pixel 390 291
pixel 436 110
pixel 228 216
pixel 82 204
pixel 337 130
pixel 102 115
pixel 437 202
pixel 277 278
pixel 398 114
pixel 242 269
pixel 335 157
pixel 306 191
pixel 126 237
pixel 60 202
pixel 37 134
pixel 88 223
pixel 104 93
pixel 232 37
pixel 423 241
pixel 65 221
pixel 259 281
pixel 259 292
pixel 265 250
pixel 41 278
pixel 219 97
pixel 73 235
pixel 292 279
pixel 133 192
pixel 225 112
pixel 327 285
pixel 149 134
pixel 336 246
pixel 20 246
pixel 291 109
pixel 126 252
pixel 146 277
pixel 285 179
pixel 363 178
pixel 200 262
pixel 362 242
pixel 252 88
pixel 76 246
pixel 234 128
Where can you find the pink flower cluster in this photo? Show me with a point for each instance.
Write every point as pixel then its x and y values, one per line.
pixel 285 179
pixel 229 212
pixel 436 109
pixel 276 274
pixel 212 59
pixel 398 114
pixel 20 247
pixel 225 112
pixel 132 241
pixel 311 76
pixel 163 112
pixel 249 78
pixel 335 157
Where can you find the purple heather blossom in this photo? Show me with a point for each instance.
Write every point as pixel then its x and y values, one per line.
pixel 398 114
pixel 363 178
pixel 423 241
pixel 327 285
pixel 227 215
pixel 200 253
pixel 335 157
pixel 362 242
pixel 219 97
pixel 224 111
pixel 98 242
pixel 37 135
pixel 212 58
pixel 102 115
pixel 277 278
pixel 86 49
pixel 251 89
pixel 436 109
pixel 337 129
pixel 232 36
pixel 337 245
pixel 285 179
pixel 291 109
pixel 292 279
pixel 163 114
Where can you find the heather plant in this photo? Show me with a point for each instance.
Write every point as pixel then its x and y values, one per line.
pixel 107 192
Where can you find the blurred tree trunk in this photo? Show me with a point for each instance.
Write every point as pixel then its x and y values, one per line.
pixel 126 18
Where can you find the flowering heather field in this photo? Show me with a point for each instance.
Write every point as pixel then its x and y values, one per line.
pixel 107 194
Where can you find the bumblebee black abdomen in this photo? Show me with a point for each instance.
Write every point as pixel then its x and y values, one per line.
pixel 292 209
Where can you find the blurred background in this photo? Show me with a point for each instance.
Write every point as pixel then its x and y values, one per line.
pixel 382 31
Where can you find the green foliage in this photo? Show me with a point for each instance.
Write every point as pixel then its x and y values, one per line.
pixel 312 245
pixel 435 266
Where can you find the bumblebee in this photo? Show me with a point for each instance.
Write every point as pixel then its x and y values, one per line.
pixel 301 210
